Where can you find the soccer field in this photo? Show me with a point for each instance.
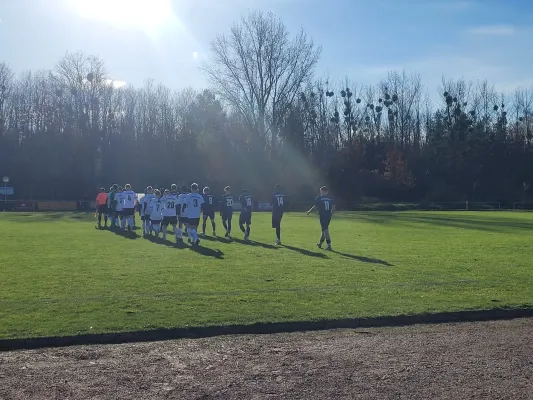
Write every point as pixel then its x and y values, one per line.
pixel 61 276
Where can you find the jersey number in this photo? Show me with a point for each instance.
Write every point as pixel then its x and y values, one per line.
pixel 129 198
pixel 229 202
pixel 195 202
pixel 210 200
pixel 248 202
pixel 157 207
pixel 170 204
pixel 326 205
pixel 280 201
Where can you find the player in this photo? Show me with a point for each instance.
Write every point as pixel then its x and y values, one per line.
pixel 208 209
pixel 111 205
pixel 181 216
pixel 101 207
pixel 129 198
pixel 170 213
pixel 193 210
pixel 278 207
pixel 154 209
pixel 245 217
pixel 118 208
pixel 325 207
pixel 145 210
pixel 226 211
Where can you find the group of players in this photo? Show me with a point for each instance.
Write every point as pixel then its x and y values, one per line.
pixel 183 209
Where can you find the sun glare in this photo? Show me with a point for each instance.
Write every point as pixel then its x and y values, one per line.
pixel 147 15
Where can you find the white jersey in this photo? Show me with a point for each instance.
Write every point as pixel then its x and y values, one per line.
pixel 155 207
pixel 171 207
pixel 119 198
pixel 181 202
pixel 128 199
pixel 145 204
pixel 193 205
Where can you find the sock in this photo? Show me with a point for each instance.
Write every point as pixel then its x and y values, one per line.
pixel 194 234
pixel 105 220
pixel 278 233
pixel 225 225
pixel 156 229
pixel 131 222
pixel 214 226
pixel 164 230
pixel 99 219
pixel 242 228
pixel 229 226
pixel 176 232
pixel 203 226
pixel 123 223
pixel 322 238
pixel 248 230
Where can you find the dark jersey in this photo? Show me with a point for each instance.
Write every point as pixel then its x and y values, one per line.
pixel 278 202
pixel 209 203
pixel 324 204
pixel 227 204
pixel 246 203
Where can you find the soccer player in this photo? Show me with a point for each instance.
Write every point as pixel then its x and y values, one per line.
pixel 155 210
pixel 118 208
pixel 208 209
pixel 111 205
pixel 101 207
pixel 145 210
pixel 129 197
pixel 226 211
pixel 278 206
pixel 245 218
pixel 181 216
pixel 170 213
pixel 325 207
pixel 193 211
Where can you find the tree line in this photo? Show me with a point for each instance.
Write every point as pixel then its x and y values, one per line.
pixel 264 119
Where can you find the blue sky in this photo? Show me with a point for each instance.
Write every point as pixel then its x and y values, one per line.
pixel 361 40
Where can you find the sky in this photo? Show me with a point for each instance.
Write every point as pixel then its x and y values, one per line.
pixel 167 40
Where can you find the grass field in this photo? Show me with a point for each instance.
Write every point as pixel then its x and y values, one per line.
pixel 61 276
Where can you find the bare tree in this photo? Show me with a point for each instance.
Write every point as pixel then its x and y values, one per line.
pixel 258 69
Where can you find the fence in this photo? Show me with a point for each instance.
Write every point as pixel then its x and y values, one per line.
pixel 43 205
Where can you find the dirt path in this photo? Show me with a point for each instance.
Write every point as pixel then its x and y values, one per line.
pixel 492 360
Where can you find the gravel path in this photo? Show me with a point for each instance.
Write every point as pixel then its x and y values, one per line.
pixel 489 360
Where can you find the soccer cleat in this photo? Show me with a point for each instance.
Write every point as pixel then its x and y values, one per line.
pixel 197 242
pixel 214 233
pixel 202 234
pixel 278 242
pixel 329 248
pixel 319 245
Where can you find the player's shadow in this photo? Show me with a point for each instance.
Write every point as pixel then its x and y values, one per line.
pixel 215 239
pixel 364 259
pixel 308 253
pixel 254 243
pixel 206 251
pixel 165 242
pixel 125 234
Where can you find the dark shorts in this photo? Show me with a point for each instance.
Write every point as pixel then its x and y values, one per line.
pixel 119 213
pixel 155 221
pixel 276 218
pixel 227 215
pixel 145 218
pixel 209 214
pixel 324 222
pixel 170 221
pixel 128 212
pixel 101 209
pixel 193 221
pixel 245 218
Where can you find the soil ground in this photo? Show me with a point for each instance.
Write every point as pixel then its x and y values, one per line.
pixel 492 360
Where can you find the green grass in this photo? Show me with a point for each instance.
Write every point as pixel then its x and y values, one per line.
pixel 61 276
